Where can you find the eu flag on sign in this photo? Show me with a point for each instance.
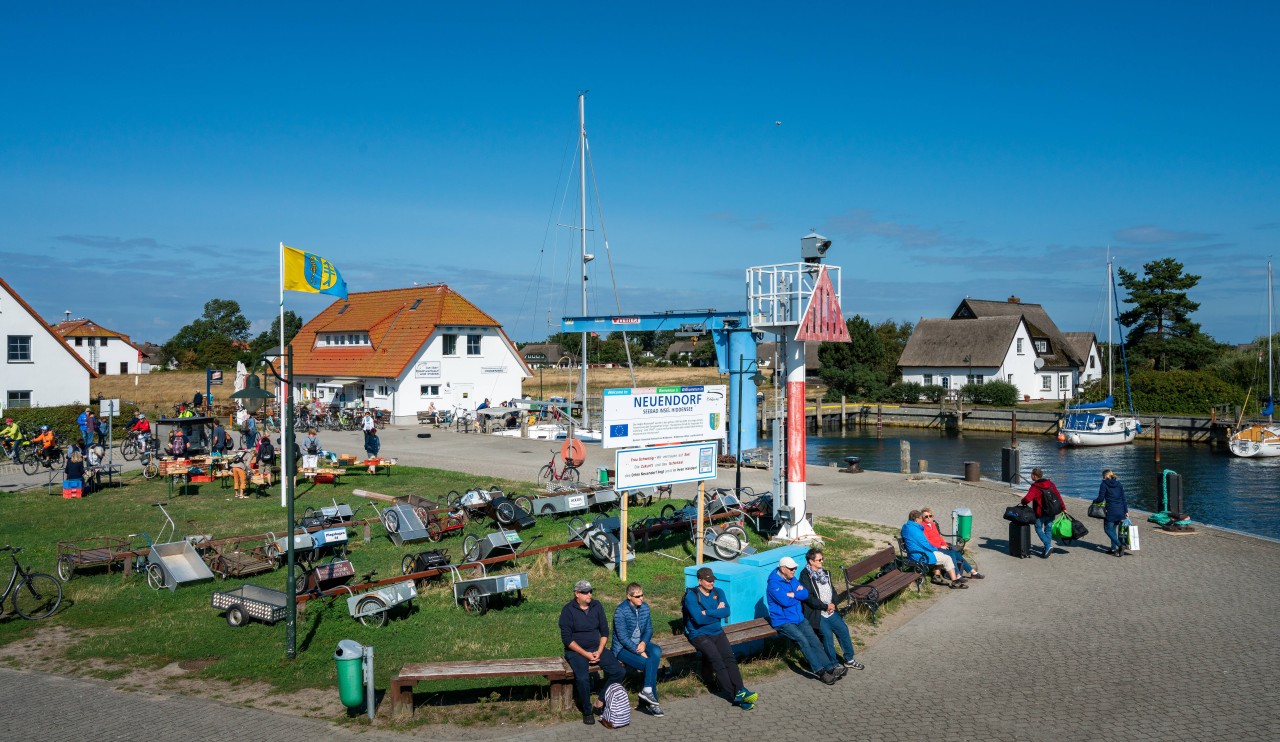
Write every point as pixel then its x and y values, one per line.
pixel 618 431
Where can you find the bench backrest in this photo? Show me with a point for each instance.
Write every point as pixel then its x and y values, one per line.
pixel 873 563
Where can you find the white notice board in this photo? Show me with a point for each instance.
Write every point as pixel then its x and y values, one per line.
pixel 655 416
pixel 650 467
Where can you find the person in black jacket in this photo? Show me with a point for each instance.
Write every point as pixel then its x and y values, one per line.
pixel 584 630
pixel 820 608
pixel 1111 492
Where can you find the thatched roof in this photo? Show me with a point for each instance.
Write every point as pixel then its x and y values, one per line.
pixel 1081 343
pixel 1061 353
pixel 946 342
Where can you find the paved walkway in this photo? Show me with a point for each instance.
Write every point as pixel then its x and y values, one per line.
pixel 1177 642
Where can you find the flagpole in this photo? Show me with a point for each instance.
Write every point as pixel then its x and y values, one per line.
pixel 280 385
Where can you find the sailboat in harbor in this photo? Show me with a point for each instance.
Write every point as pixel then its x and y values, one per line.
pixel 1261 440
pixel 1096 423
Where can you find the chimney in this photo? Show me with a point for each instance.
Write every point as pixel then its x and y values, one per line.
pixel 1014 300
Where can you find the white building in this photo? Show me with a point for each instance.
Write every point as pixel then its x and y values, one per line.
pixel 406 350
pixel 1007 341
pixel 108 352
pixel 40 369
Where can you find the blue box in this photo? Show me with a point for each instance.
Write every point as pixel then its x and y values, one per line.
pixel 744 582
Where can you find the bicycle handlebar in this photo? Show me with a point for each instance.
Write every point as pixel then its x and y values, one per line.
pixel 14 549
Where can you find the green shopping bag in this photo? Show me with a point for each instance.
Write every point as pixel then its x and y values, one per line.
pixel 1061 528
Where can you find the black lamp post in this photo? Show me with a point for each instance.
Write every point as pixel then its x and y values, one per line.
pixel 286 488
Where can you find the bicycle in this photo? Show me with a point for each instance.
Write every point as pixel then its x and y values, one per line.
pixel 548 473
pixel 14 449
pixel 131 446
pixel 150 467
pixel 36 595
pixel 34 458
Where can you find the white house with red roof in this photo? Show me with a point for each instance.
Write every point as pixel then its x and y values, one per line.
pixel 40 369
pixel 406 350
pixel 108 352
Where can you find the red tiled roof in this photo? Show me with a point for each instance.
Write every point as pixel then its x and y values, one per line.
pixel 92 374
pixel 396 332
pixel 86 328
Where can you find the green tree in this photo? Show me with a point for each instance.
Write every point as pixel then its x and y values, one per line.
pixel 206 340
pixel 269 339
pixel 856 369
pixel 893 338
pixel 1160 326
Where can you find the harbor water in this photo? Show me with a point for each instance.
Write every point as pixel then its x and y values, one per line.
pixel 1218 488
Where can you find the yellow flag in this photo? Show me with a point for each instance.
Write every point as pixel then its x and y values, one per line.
pixel 304 271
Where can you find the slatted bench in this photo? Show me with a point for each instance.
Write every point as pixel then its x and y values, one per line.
pixel 557 672
pixel 892 575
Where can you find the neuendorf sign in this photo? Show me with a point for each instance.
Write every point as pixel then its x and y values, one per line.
pixel 663 415
pixel 650 467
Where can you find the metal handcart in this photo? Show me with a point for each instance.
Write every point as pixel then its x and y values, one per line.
pixel 371 608
pixel 251 601
pixel 172 563
pixel 473 594
pixel 94 551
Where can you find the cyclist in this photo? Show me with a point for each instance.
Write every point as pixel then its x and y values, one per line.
pixel 11 436
pixel 44 441
pixel 142 428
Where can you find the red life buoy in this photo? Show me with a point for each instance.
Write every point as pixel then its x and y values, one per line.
pixel 573 452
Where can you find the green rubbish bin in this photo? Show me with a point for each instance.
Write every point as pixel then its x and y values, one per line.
pixel 962 523
pixel 603 474
pixel 350 661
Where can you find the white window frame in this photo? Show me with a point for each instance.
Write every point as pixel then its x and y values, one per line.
pixel 473 344
pixel 11 400
pixel 1046 382
pixel 15 356
pixel 1019 345
pixel 928 379
pixel 1042 346
pixel 1064 380
pixel 428 390
pixel 449 344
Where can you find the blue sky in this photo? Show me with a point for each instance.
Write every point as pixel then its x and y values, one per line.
pixel 153 157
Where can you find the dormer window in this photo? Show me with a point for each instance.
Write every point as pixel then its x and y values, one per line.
pixel 330 339
pixel 1042 346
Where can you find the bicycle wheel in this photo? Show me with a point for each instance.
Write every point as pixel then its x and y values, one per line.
pixel 66 569
pixel 471 548
pixel 129 449
pixel 407 565
pixel 37 596
pixel 155 576
pixel 505 512
pixel 30 463
pixel 151 470
pixel 570 474
pixel 545 474
pixel 524 503
pixel 434 531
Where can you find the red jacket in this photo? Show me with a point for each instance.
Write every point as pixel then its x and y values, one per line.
pixel 1035 495
pixel 934 536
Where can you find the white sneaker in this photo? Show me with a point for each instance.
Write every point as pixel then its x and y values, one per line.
pixel 648 697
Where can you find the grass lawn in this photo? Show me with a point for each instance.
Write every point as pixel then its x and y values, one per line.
pixel 121 623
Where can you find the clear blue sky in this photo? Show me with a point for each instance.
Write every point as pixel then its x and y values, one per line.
pixel 153 156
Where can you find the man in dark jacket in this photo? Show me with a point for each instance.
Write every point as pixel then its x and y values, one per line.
pixel 584 631
pixel 820 609
pixel 1044 497
pixel 220 440
pixel 1111 492
pixel 705 608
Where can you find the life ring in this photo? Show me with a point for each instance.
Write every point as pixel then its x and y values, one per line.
pixel 573 452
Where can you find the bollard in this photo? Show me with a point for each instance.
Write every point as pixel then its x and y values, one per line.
pixel 852 465
pixel 904 457
pixel 1010 463
pixel 972 471
pixel 923 466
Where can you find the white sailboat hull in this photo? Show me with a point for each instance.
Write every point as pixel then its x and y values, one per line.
pixel 1256 442
pixel 1115 432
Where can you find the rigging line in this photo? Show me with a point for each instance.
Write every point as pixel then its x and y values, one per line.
pixel 604 235
pixel 535 284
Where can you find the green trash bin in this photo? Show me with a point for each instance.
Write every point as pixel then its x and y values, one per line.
pixel 350 661
pixel 603 474
pixel 962 523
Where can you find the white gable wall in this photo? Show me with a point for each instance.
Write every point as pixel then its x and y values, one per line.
pixel 53 376
pixel 115 358
pixel 1018 369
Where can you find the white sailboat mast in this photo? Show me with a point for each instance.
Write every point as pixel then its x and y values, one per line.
pixel 582 235
pixel 1111 318
pixel 1271 388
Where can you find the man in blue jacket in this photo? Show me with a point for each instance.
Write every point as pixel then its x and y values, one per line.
pixel 705 609
pixel 784 596
pixel 632 633
pixel 919 548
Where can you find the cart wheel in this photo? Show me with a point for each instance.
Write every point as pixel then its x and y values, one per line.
pixel 372 612
pixel 421 512
pixel 668 510
pixel 505 513
pixel 391 521
pixel 524 503
pixel 471 548
pixel 300 583
pixel 576 528
pixel 407 564
pixel 155 576
pixel 151 470
pixel 548 509
pixel 726 545
pixel 474 602
pixel 219 566
pixel 738 531
pixel 66 570
pixel 454 500
pixel 309 513
pixel 236 617
pixel 601 547
pixel 434 531
pixel 272 552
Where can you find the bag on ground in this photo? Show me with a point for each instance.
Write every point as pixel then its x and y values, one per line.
pixel 1098 509
pixel 1023 514
pixel 617 706
pixel 1061 528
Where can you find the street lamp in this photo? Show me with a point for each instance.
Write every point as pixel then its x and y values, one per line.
pixel 757 379
pixel 287 473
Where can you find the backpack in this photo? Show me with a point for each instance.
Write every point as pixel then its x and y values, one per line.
pixel 1050 504
pixel 179 445
pixel 617 707
pixel 266 452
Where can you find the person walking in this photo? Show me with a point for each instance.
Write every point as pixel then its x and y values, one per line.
pixel 584 631
pixel 784 596
pixel 705 608
pixel 632 637
pixel 1111 492
pixel 820 610
pixel 1044 498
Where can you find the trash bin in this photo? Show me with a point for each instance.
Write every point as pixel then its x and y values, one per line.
pixel 962 523
pixel 350 661
pixel 972 471
pixel 603 474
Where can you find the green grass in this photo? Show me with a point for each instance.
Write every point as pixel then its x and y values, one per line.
pixel 124 625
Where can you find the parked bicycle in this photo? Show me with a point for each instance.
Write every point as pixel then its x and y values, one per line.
pixel 131 446
pixel 149 459
pixel 36 595
pixel 549 473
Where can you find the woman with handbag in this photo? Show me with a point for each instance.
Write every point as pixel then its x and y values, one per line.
pixel 1111 493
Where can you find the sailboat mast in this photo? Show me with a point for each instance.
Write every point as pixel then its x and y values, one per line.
pixel 582 235
pixel 1110 320
pixel 1271 389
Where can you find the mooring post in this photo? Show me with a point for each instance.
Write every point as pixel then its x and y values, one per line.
pixel 1013 430
pixel 879 420
pixel 904 456
pixel 1156 433
pixel 844 401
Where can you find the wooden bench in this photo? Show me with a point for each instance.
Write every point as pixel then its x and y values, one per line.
pixel 892 575
pixel 557 672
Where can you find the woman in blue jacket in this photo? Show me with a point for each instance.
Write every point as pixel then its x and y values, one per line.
pixel 1111 492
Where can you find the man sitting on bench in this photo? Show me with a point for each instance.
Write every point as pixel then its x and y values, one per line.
pixel 784 595
pixel 584 630
pixel 705 608
pixel 918 547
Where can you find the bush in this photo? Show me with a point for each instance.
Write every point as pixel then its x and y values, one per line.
pixel 993 393
pixel 905 392
pixel 933 393
pixel 1177 392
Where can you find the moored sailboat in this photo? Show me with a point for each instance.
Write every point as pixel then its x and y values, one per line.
pixel 1261 440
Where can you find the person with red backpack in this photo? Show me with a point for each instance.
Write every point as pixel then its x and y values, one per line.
pixel 1045 499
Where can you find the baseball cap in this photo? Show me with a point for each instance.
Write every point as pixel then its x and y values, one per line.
pixel 582 586
pixel 706 574
pixel 787 562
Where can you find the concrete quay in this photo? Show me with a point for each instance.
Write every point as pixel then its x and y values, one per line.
pixel 1177 642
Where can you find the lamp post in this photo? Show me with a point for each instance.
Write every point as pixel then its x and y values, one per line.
pixel 286 490
pixel 743 365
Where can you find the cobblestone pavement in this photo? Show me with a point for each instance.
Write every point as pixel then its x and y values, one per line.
pixel 1177 642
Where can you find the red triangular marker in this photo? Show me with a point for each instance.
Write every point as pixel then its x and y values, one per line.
pixel 823 319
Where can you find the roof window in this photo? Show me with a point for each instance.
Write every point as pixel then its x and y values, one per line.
pixel 345 307
pixel 416 302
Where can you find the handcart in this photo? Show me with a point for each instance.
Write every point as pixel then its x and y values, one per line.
pixel 371 608
pixel 233 560
pixel 308 547
pixel 251 601
pixel 321 577
pixel 326 515
pixel 172 563
pixel 423 561
pixel 478 502
pixel 95 551
pixel 601 537
pixel 570 499
pixel 405 523
pixel 498 543
pixel 473 594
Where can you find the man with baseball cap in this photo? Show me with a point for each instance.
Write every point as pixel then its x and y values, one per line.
pixel 705 609
pixel 785 595
pixel 584 630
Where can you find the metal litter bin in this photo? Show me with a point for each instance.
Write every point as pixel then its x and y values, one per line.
pixel 350 661
pixel 962 523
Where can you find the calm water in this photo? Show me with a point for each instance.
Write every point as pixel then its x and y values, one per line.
pixel 1217 488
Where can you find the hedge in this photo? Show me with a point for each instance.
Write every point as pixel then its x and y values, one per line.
pixel 62 419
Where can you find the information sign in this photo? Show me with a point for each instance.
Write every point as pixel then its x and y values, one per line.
pixel 650 467
pixel 662 415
